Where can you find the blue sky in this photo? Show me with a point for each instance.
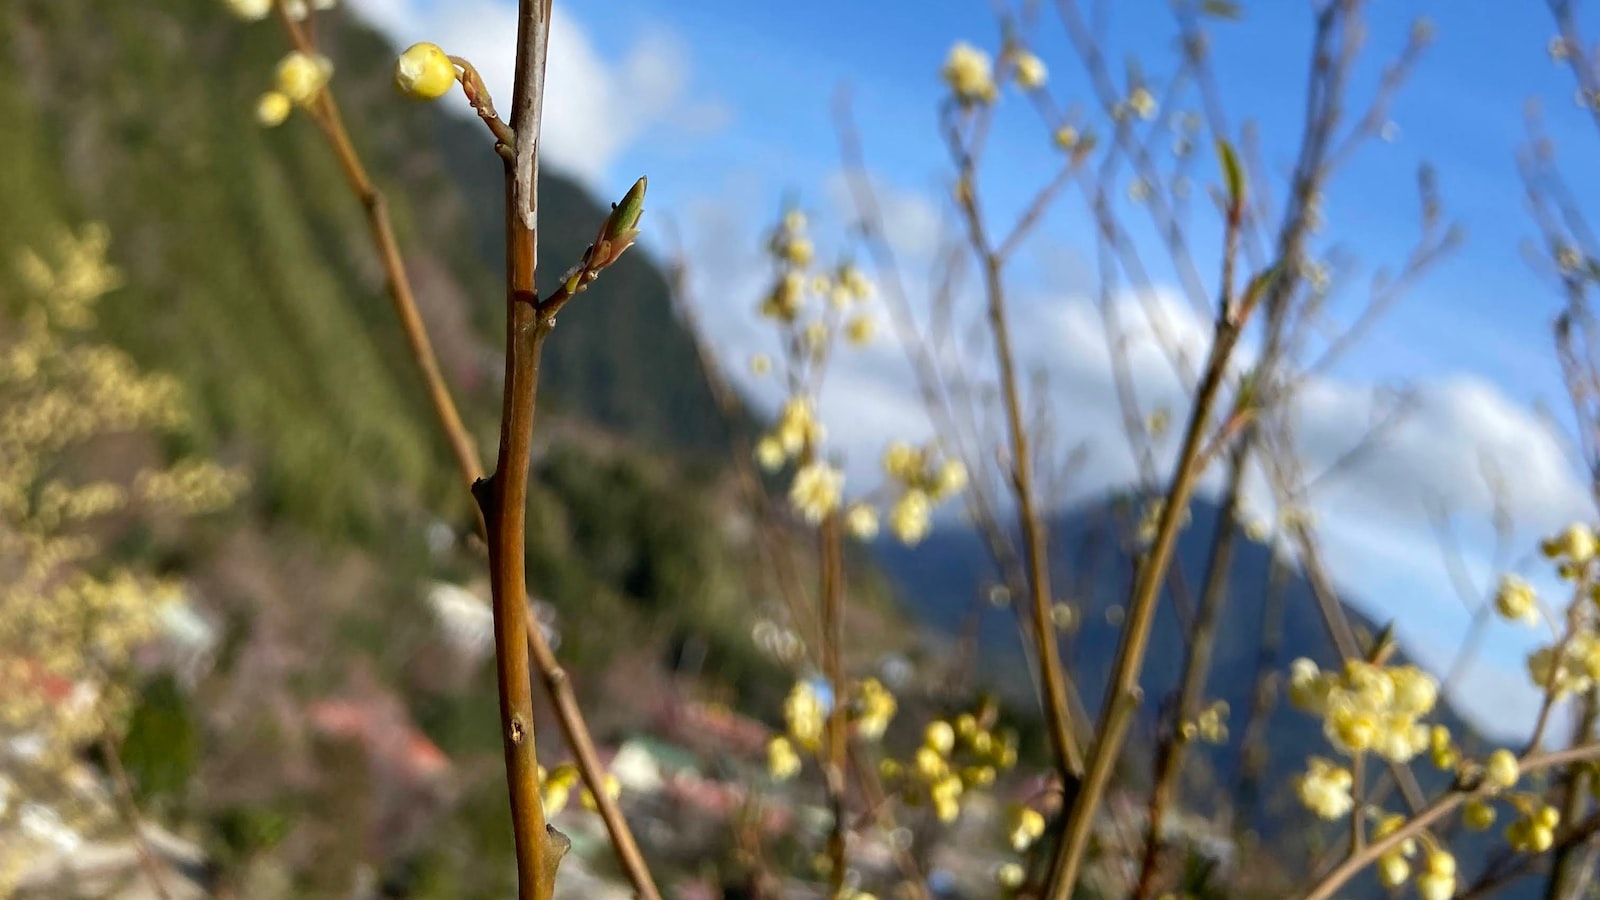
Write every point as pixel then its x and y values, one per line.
pixel 727 105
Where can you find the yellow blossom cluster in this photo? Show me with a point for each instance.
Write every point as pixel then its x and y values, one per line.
pixel 555 788
pixel 1570 664
pixel 1024 825
pixel 921 477
pixel 817 488
pixel 1325 788
pixel 1210 726
pixel 956 757
pixel 69 619
pixel 1437 878
pixel 1535 830
pixel 874 706
pixel 805 716
pixel 1516 601
pixel 1368 707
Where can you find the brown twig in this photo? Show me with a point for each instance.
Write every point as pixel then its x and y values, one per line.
pixel 1068 756
pixel 552 675
pixel 1196 669
pixel 503 496
pixel 1330 884
pixel 1123 694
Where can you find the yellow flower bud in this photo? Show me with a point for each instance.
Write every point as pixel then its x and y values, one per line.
pixel 862 522
pixel 940 737
pixel 1393 870
pixel 1030 71
pixel 782 761
pixel 1477 815
pixel 272 109
pixel 301 76
pixel 249 10
pixel 424 72
pixel 1010 875
pixel 1502 770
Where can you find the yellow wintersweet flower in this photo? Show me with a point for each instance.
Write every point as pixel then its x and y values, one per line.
pixel 1576 543
pixel 1393 870
pixel 1025 826
pixel 1308 687
pixel 804 716
pixel 272 109
pixel 613 789
pixel 854 282
pixel 1211 725
pixel 798 425
pixel 911 518
pixel 769 453
pixel 940 737
pixel 783 763
pixel 1325 788
pixel 249 10
pixel 901 461
pixel 952 478
pixel 783 302
pixel 798 251
pixel 859 330
pixel 1066 138
pixel 1502 770
pixel 1534 833
pixel 1030 70
pixel 1438 879
pixel 877 707
pixel 301 76
pixel 1010 875
pixel 968 72
pixel 424 72
pixel 1477 815
pixel 862 522
pixel 1142 102
pixel 1516 601
pixel 816 491
pixel 1573 672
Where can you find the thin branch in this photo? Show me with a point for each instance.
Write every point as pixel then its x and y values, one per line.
pixel 552 675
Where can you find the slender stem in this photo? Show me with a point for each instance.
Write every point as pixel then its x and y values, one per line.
pixel 1442 806
pixel 1069 758
pixel 1564 871
pixel 129 808
pixel 503 496
pixel 831 537
pixel 1196 668
pixel 468 461
pixel 1123 693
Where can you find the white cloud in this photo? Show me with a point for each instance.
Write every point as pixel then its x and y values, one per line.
pixel 1378 540
pixel 595 108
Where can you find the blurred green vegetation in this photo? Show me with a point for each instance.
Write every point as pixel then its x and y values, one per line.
pixel 250 271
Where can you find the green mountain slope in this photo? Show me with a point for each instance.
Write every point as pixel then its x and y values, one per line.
pixel 249 272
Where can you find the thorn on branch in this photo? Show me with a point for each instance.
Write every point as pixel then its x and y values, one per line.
pixel 483 493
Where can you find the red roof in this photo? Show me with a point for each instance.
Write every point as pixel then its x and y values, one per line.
pixel 386 733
